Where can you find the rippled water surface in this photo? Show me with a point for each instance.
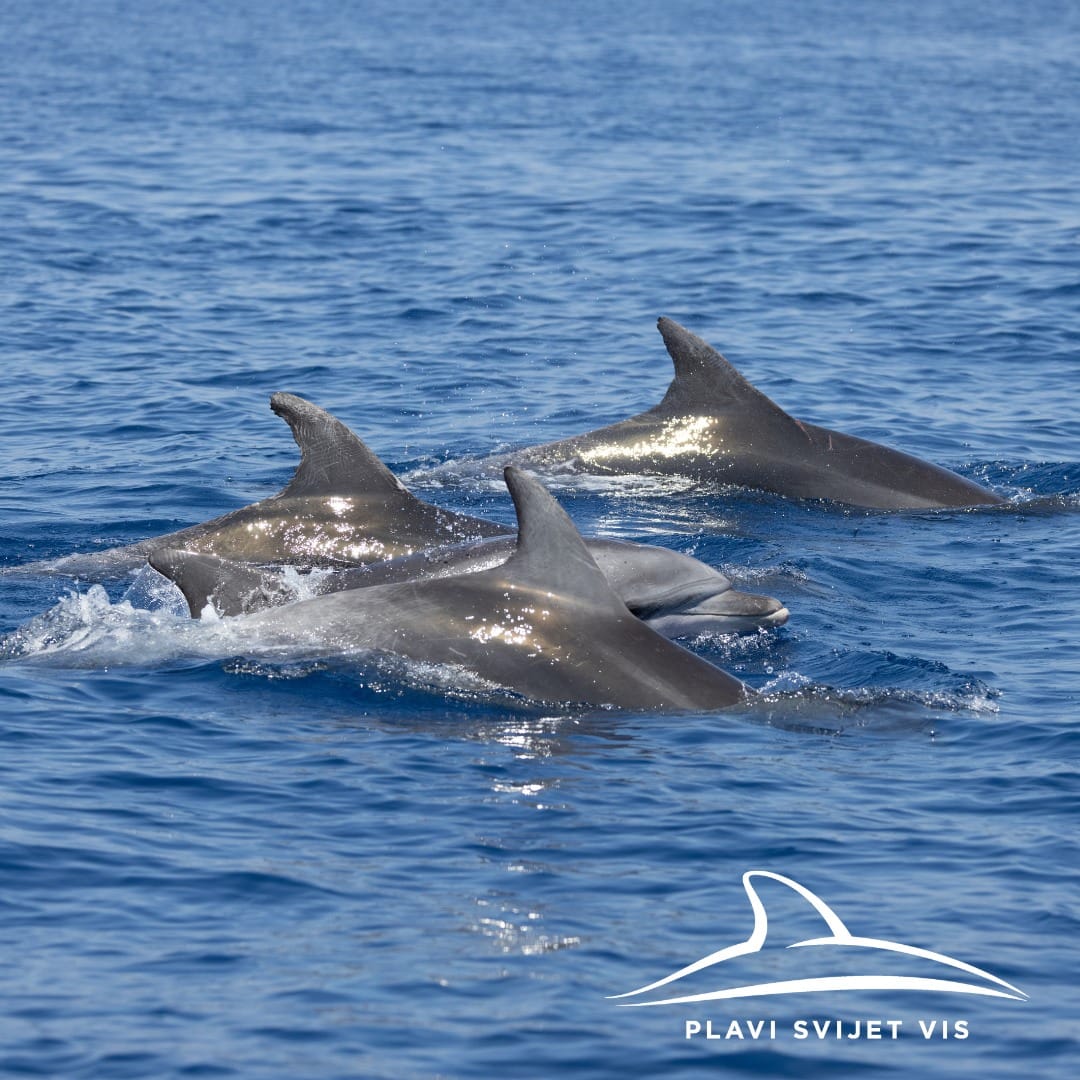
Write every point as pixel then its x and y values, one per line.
pixel 454 226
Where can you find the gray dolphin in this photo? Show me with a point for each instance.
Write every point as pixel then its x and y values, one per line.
pixel 677 595
pixel 712 424
pixel 545 624
pixel 344 507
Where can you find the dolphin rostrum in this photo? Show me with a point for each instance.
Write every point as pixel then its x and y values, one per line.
pixel 714 425
pixel 344 507
pixel 545 624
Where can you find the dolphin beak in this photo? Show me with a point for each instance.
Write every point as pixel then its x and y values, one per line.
pixel 726 612
pixel 733 605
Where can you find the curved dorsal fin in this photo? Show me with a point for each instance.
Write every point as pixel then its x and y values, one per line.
pixel 333 461
pixel 704 380
pixel 550 553
pixel 230 588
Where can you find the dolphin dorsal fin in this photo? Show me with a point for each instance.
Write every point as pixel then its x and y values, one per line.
pixel 333 461
pixel 230 588
pixel 704 380
pixel 550 553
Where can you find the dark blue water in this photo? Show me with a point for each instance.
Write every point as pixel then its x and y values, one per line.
pixel 454 226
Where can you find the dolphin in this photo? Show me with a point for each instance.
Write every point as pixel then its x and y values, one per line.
pixel 677 595
pixel 714 425
pixel 545 624
pixel 344 507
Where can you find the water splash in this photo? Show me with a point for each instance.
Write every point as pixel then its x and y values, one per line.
pixel 86 629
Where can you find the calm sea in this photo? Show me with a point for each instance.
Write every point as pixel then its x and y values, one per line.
pixel 454 225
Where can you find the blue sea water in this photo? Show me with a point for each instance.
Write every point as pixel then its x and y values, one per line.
pixel 454 226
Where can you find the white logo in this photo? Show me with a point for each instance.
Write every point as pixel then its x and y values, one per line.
pixel 840 937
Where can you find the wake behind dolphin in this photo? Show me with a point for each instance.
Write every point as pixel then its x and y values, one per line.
pixel 712 424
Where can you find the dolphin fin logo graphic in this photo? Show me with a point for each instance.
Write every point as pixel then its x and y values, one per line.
pixel 839 936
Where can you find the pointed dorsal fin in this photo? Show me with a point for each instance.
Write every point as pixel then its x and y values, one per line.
pixel 333 461
pixel 704 380
pixel 550 553
pixel 230 588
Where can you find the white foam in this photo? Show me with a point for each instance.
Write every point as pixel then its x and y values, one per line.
pixel 86 629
